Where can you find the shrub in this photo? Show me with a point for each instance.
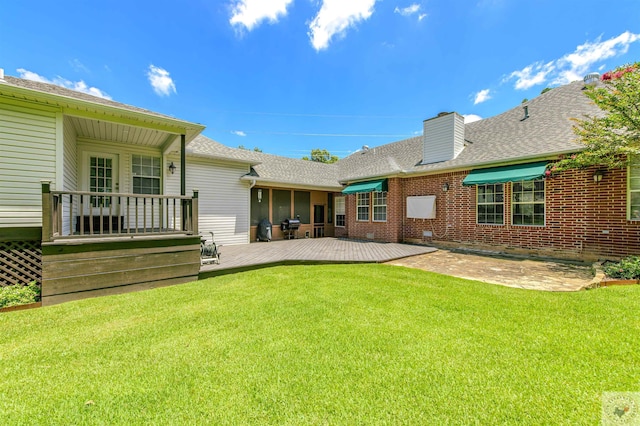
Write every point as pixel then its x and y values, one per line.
pixel 14 295
pixel 628 268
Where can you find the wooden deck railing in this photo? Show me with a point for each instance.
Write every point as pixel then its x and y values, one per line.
pixel 81 214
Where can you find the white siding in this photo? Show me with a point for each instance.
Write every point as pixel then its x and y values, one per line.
pixel 27 155
pixel 223 198
pixel 443 138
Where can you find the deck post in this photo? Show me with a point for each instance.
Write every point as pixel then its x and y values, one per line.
pixel 194 212
pixel 183 180
pixel 47 218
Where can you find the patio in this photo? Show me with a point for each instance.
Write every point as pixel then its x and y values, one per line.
pixel 495 268
pixel 308 250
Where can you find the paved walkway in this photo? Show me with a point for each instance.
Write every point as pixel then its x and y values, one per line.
pixel 492 268
pixel 307 250
pixel 510 271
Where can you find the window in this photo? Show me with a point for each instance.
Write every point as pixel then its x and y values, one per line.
pixel 379 206
pixel 528 202
pixel 146 174
pixel 634 190
pixel 490 204
pixel 341 217
pixel 363 206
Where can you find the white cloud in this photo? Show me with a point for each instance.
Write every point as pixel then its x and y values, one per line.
pixel 79 86
pixel 482 96
pixel 409 10
pixel 573 66
pixel 470 118
pixel 335 17
pixel 78 66
pixel 249 13
pixel 531 75
pixel 239 133
pixel 577 64
pixel 161 81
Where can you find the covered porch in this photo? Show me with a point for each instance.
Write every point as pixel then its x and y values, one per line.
pixel 117 216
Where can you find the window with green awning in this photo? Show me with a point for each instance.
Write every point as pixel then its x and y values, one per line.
pixel 515 173
pixel 379 185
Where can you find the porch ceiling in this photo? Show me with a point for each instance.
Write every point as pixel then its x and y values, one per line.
pixel 121 133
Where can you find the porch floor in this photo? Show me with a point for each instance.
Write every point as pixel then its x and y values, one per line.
pixel 308 250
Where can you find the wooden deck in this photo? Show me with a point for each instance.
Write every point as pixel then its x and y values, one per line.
pixel 301 251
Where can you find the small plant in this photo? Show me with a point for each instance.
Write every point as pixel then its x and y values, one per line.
pixel 627 269
pixel 14 295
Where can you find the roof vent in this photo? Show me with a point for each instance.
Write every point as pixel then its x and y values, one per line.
pixel 365 148
pixel 591 79
pixel 526 112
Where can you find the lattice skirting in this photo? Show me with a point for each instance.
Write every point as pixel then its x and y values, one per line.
pixel 20 262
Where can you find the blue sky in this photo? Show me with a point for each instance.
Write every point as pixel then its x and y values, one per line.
pixel 291 75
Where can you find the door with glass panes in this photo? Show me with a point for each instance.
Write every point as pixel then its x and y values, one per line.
pixel 101 172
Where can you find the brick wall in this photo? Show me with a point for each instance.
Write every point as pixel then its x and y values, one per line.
pixel 389 231
pixel 584 219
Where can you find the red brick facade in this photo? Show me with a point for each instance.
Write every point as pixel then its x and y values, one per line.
pixel 584 219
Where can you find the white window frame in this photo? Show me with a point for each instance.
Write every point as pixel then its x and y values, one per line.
pixel 156 165
pixel 492 203
pixel 379 206
pixel 633 180
pixel 340 211
pixel 362 207
pixel 532 201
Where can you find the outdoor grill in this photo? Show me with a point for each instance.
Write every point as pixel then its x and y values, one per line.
pixel 290 228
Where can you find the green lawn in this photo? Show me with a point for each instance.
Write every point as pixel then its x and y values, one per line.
pixel 338 344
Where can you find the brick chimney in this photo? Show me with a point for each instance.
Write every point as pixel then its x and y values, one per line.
pixel 442 138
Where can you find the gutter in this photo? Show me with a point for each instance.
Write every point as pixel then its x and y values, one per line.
pixel 273 182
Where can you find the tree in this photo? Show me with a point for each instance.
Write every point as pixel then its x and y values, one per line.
pixel 545 90
pixel 613 139
pixel 321 156
pixel 255 148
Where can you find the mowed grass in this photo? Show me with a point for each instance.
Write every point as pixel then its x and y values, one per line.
pixel 339 344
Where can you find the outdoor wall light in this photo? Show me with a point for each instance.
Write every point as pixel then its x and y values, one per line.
pixel 259 195
pixel 445 187
pixel 172 168
pixel 597 176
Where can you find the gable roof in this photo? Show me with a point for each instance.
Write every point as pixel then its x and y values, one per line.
pixel 74 100
pixel 502 139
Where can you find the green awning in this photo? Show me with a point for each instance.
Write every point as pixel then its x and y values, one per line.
pixel 379 185
pixel 504 174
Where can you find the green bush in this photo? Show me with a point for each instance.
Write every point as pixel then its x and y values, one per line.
pixel 627 269
pixel 14 295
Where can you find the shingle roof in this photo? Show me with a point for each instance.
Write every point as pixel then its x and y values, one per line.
pixel 500 139
pixel 270 168
pixel 54 89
